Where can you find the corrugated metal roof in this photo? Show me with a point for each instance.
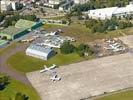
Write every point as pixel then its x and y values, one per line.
pixel 36 47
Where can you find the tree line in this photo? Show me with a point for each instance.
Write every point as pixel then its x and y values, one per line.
pixel 95 4
pixel 107 25
pixel 82 49
pixel 12 19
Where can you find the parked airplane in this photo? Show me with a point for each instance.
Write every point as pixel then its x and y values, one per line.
pixel 48 68
pixel 110 41
pixel 55 78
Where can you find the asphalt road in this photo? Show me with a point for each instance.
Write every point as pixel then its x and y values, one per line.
pixel 4 68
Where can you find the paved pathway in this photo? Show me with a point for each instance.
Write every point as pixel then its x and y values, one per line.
pixel 4 68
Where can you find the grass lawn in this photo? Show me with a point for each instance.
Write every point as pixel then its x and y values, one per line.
pixel 83 34
pixel 125 95
pixel 16 86
pixel 21 62
pixel 51 26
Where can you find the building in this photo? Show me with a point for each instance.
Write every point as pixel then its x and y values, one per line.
pixel 26 24
pixel 3 43
pixel 21 28
pixel 66 6
pixel 80 1
pixel 54 3
pixel 12 32
pixel 41 52
pixel 108 13
pixel 7 5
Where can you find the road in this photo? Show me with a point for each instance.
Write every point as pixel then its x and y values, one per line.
pixel 4 68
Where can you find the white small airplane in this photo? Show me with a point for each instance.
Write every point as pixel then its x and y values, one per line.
pixel 55 78
pixel 110 41
pixel 48 68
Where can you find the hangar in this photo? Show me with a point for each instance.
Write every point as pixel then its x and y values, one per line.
pixel 42 52
pixel 26 24
pixel 3 43
pixel 21 28
pixel 12 32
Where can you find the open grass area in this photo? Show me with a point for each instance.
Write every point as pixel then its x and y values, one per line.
pixel 16 86
pixel 83 34
pixel 125 95
pixel 51 26
pixel 23 63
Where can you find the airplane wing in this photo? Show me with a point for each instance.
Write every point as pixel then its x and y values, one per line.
pixel 41 71
pixel 53 66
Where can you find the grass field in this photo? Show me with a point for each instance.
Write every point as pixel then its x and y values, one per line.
pixel 83 34
pixel 50 26
pixel 23 63
pixel 16 86
pixel 125 95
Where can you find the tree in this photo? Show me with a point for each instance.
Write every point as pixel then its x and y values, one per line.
pixel 20 96
pixel 67 48
pixel 2 16
pixel 3 82
pixel 83 48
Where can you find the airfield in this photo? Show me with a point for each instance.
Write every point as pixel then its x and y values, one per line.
pixel 86 79
pixel 128 40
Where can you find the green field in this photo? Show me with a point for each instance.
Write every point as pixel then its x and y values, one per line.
pixel 83 34
pixel 125 95
pixel 23 63
pixel 16 86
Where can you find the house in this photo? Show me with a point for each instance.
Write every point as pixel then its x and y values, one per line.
pixel 41 52
pixel 108 13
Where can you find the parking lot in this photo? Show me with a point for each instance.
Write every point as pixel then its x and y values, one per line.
pixel 85 79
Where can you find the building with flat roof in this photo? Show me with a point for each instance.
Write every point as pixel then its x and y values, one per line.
pixel 41 52
pixel 108 13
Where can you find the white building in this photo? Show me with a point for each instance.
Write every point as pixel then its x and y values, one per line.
pixel 41 52
pixel 7 5
pixel 55 2
pixel 107 13
pixel 80 1
pixel 66 6
pixel 52 3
